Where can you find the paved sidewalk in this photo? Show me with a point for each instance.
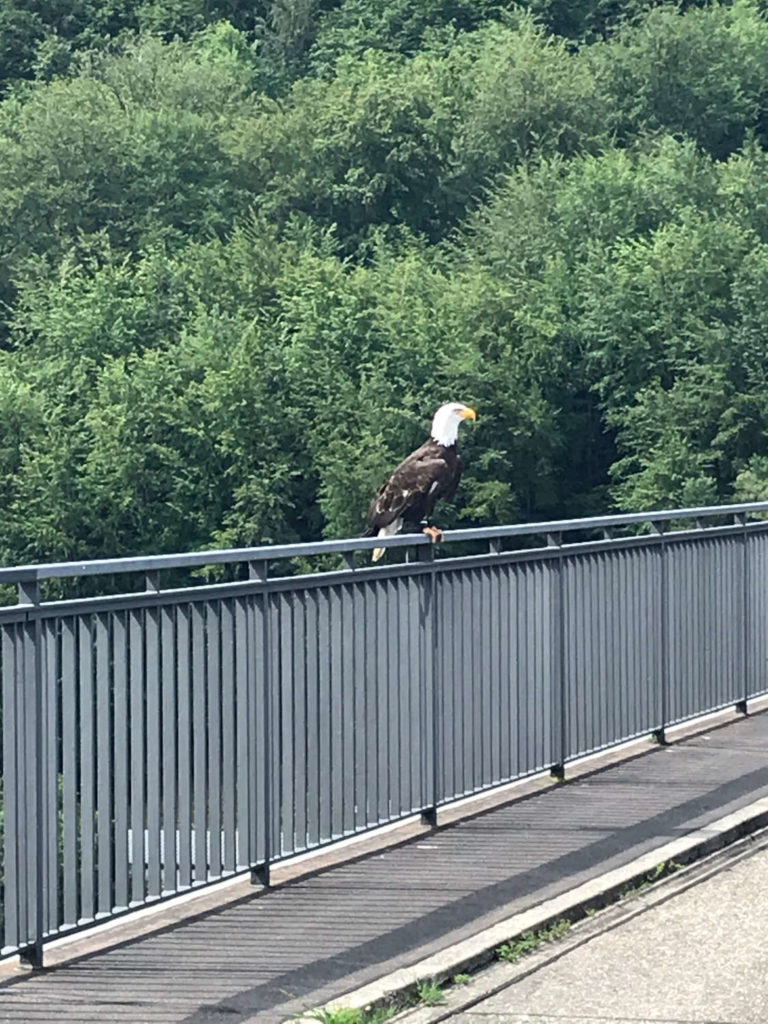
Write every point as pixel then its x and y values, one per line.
pixel 698 958
pixel 275 954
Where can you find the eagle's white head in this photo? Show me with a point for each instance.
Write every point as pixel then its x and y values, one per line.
pixel 445 425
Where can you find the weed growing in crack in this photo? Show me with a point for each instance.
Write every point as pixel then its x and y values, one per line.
pixel 526 943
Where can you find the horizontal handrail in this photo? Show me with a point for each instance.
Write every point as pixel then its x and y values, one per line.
pixel 275 552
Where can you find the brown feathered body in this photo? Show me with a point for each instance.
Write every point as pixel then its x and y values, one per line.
pixel 409 496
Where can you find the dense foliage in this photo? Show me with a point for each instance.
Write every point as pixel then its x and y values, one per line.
pixel 246 249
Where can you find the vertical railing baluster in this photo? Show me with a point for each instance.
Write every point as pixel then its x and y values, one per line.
pixel 659 733
pixel 741 704
pixel 35 751
pixel 437 689
pixel 260 872
pixel 559 725
pixel 429 627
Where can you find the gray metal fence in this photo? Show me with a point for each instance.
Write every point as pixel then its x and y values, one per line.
pixel 160 740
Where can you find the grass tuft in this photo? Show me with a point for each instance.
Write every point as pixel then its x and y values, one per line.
pixel 347 1015
pixel 514 950
pixel 429 993
pixel 654 875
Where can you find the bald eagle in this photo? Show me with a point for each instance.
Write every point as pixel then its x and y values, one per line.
pixel 428 474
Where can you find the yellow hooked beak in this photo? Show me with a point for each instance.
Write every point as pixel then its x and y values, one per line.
pixel 468 414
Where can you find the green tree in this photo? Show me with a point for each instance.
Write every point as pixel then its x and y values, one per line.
pixel 699 74
pixel 402 26
pixel 528 95
pixel 361 152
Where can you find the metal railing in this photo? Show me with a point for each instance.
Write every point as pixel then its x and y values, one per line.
pixel 161 740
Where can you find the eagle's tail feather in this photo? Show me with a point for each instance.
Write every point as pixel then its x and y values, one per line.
pixel 386 531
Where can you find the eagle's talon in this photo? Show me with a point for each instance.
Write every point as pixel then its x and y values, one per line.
pixel 434 533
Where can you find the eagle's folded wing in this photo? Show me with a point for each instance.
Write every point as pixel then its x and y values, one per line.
pixel 412 482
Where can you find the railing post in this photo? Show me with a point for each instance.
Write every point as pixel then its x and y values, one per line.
pixel 659 733
pixel 559 703
pixel 430 626
pixel 260 872
pixel 34 771
pixel 741 705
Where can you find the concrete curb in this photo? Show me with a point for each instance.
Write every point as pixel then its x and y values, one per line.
pixel 478 950
pixel 498 976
